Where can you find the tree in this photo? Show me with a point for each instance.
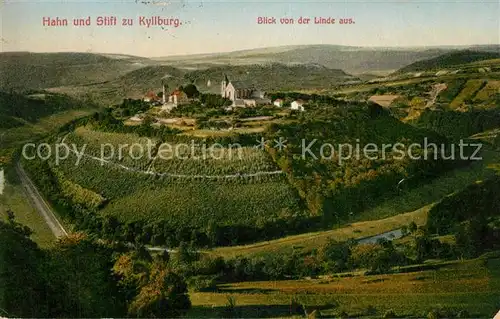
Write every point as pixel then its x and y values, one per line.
pixel 191 91
pixel 21 284
pixel 412 227
pixel 164 296
pixel 335 255
pixel 78 272
pixel 186 254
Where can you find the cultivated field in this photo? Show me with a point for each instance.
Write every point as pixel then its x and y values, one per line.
pixel 184 200
pixel 448 287
pixel 468 93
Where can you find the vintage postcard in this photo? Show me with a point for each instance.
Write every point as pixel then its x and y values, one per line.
pixel 249 159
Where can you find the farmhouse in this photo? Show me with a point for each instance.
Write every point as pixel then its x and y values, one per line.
pixel 176 98
pixel 151 97
pixel 242 94
pixel 297 105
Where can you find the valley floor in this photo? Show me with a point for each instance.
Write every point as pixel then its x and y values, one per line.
pixel 472 285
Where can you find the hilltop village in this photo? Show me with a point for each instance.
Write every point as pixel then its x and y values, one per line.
pixel 239 93
pixel 238 106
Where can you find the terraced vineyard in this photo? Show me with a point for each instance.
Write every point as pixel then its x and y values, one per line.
pixel 126 149
pixel 150 155
pixel 174 185
pixel 136 196
pixel 208 161
pixel 468 92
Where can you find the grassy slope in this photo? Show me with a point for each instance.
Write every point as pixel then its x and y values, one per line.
pixel 313 240
pixel 449 60
pixel 468 92
pixel 14 199
pixel 351 59
pixel 182 202
pixel 471 285
pixel 24 70
pixel 391 213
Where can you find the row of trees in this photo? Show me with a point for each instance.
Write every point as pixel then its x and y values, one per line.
pixel 457 125
pixel 78 277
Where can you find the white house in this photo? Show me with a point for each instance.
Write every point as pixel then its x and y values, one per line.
pixel 242 94
pixel 178 98
pixel 278 102
pixel 175 99
pixel 297 105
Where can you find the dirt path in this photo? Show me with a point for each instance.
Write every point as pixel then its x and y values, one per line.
pixel 186 176
pixel 40 204
pixel 436 89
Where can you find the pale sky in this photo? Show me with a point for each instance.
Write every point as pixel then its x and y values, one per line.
pixel 219 26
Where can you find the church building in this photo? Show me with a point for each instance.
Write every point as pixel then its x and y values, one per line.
pixel 242 94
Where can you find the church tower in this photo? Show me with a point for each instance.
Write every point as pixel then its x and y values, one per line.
pixel 224 84
pixel 164 89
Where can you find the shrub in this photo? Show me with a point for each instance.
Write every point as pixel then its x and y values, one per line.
pixel 389 314
pixel 433 314
pixel 202 283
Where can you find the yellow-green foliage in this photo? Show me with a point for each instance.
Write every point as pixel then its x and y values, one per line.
pixel 491 88
pixel 468 92
pixel 417 102
pixel 78 194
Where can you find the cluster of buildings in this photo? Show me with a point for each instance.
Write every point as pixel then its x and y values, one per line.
pixel 240 93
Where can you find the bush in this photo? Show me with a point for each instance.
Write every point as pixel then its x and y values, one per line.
pixel 389 314
pixel 433 314
pixel 202 283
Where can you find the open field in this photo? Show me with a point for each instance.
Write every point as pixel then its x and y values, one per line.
pixel 472 285
pixel 214 133
pixel 14 199
pixel 313 240
pixel 491 88
pixel 214 162
pixel 151 155
pixel 384 100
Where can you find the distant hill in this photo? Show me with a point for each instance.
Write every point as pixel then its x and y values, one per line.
pixel 25 70
pixel 274 76
pixel 268 77
pixel 349 59
pixel 450 59
pixel 18 109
